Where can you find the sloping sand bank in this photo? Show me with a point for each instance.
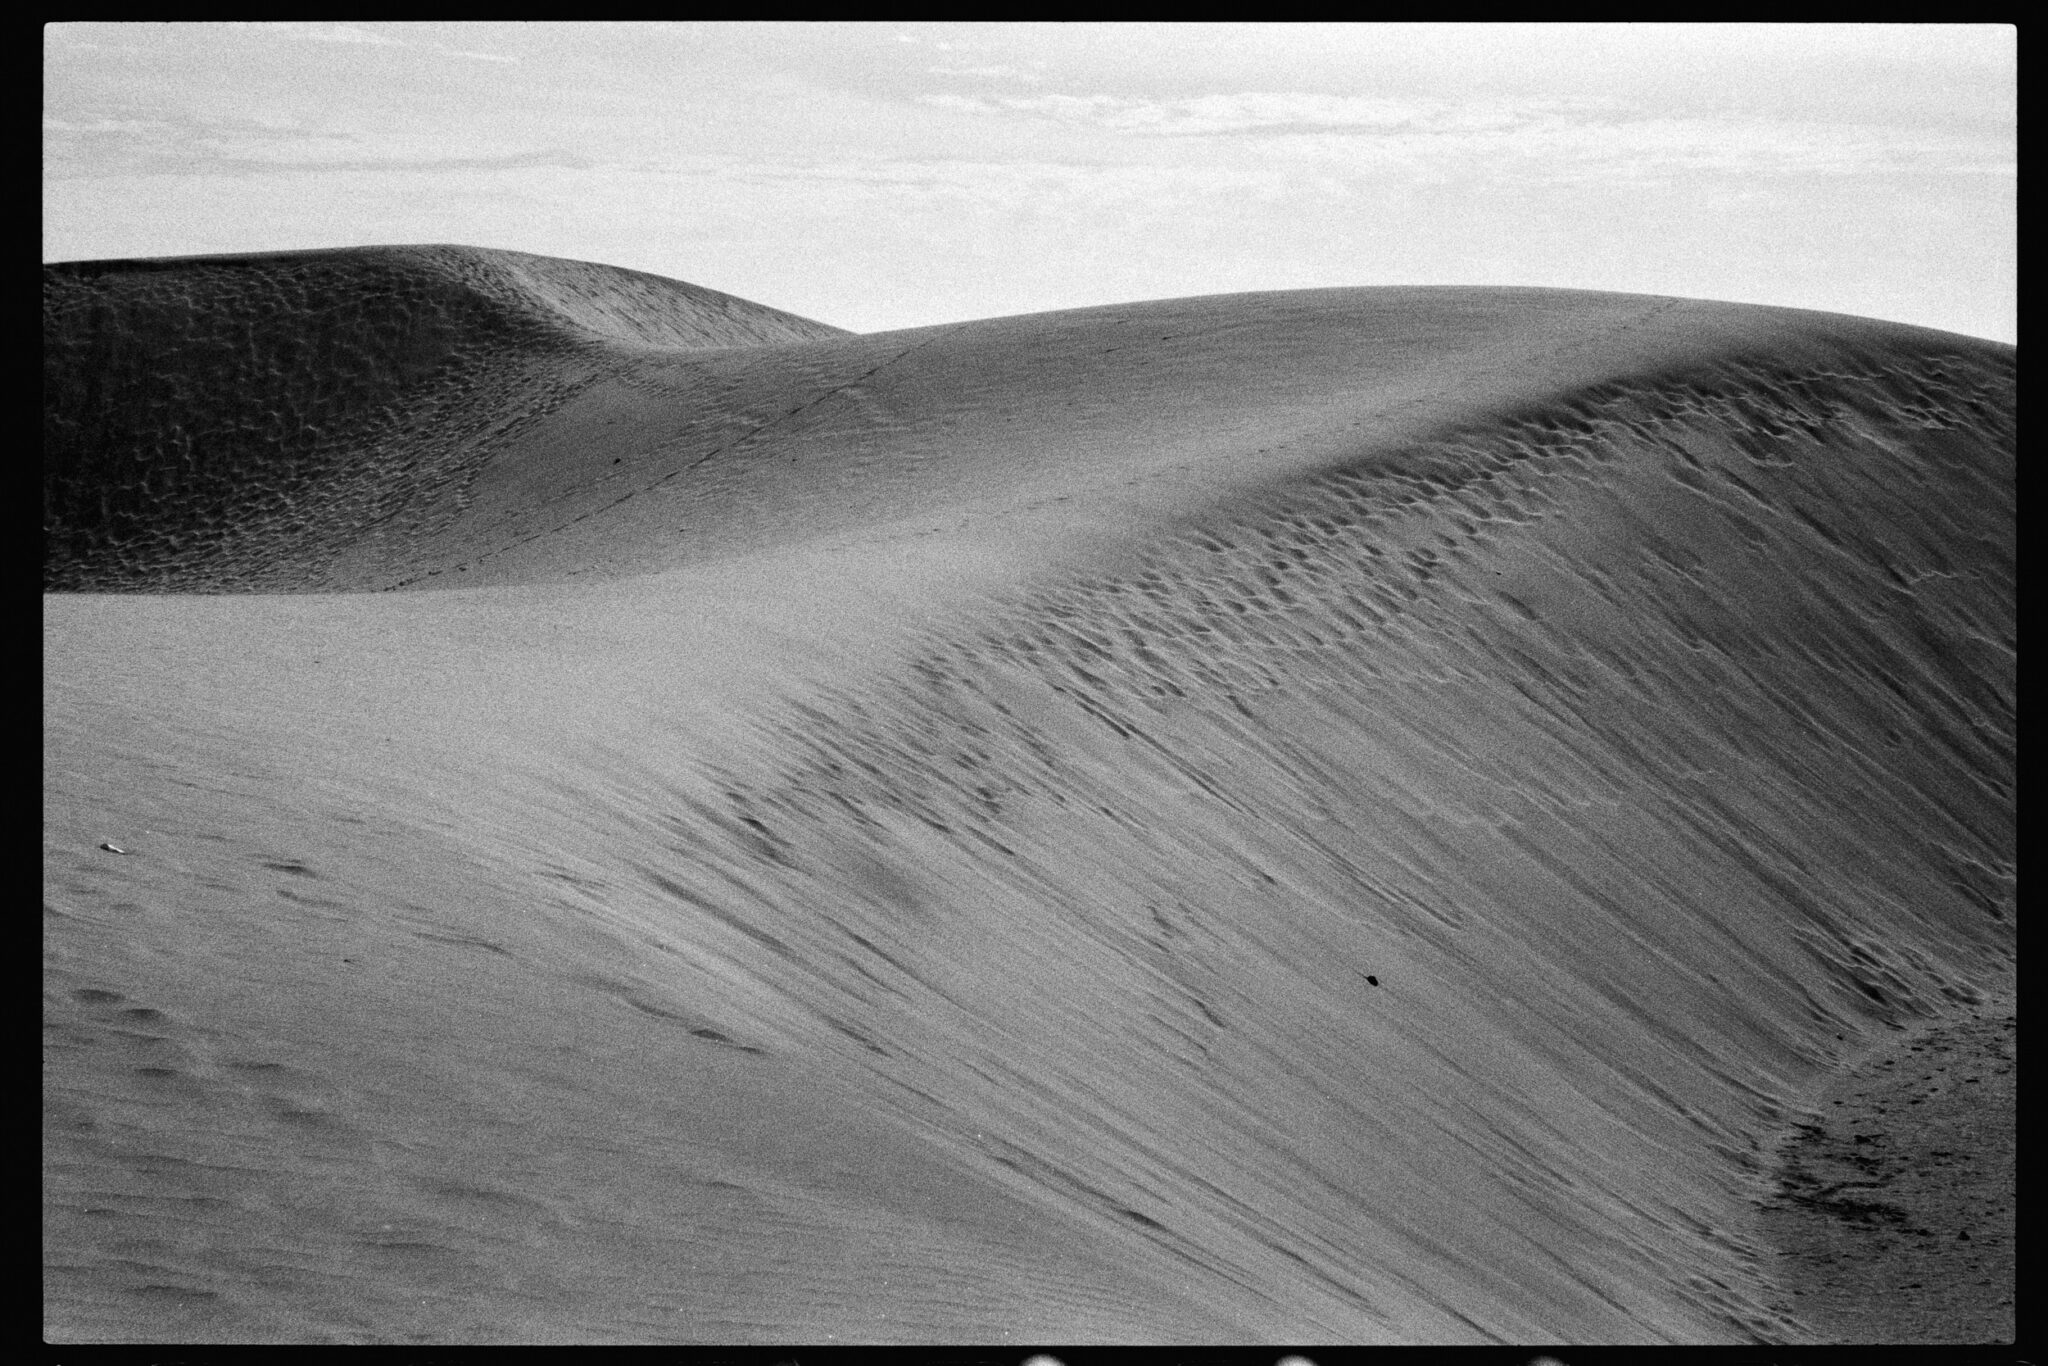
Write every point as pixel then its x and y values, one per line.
pixel 1346 816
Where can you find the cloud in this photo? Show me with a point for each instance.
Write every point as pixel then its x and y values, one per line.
pixel 1258 111
pixel 255 145
pixel 1557 138
pixel 893 187
pixel 55 125
pixel 993 73
pixel 1744 146
pixel 353 34
pixel 344 33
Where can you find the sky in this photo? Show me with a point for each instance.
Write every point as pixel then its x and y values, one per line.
pixel 889 175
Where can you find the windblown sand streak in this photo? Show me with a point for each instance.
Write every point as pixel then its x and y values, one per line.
pixel 1363 820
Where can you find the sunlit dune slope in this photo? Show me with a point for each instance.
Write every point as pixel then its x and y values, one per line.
pixel 1356 815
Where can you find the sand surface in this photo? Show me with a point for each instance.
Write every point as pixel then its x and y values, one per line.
pixel 1896 1220
pixel 1379 815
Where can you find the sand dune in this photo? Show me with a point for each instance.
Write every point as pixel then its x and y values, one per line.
pixel 218 421
pixel 1356 815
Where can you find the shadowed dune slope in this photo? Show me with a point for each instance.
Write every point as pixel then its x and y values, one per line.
pixel 1359 815
pixel 210 419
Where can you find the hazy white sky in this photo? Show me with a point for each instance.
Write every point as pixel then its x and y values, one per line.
pixel 890 175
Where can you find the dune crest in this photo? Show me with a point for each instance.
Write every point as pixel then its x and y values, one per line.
pixel 1359 815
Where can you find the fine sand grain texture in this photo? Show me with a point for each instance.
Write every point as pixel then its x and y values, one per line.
pixel 1897 1218
pixel 1345 816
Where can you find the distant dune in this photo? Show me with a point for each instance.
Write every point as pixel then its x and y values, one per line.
pixel 1366 815
pixel 221 421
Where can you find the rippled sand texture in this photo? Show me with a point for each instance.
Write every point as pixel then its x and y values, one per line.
pixel 1357 815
